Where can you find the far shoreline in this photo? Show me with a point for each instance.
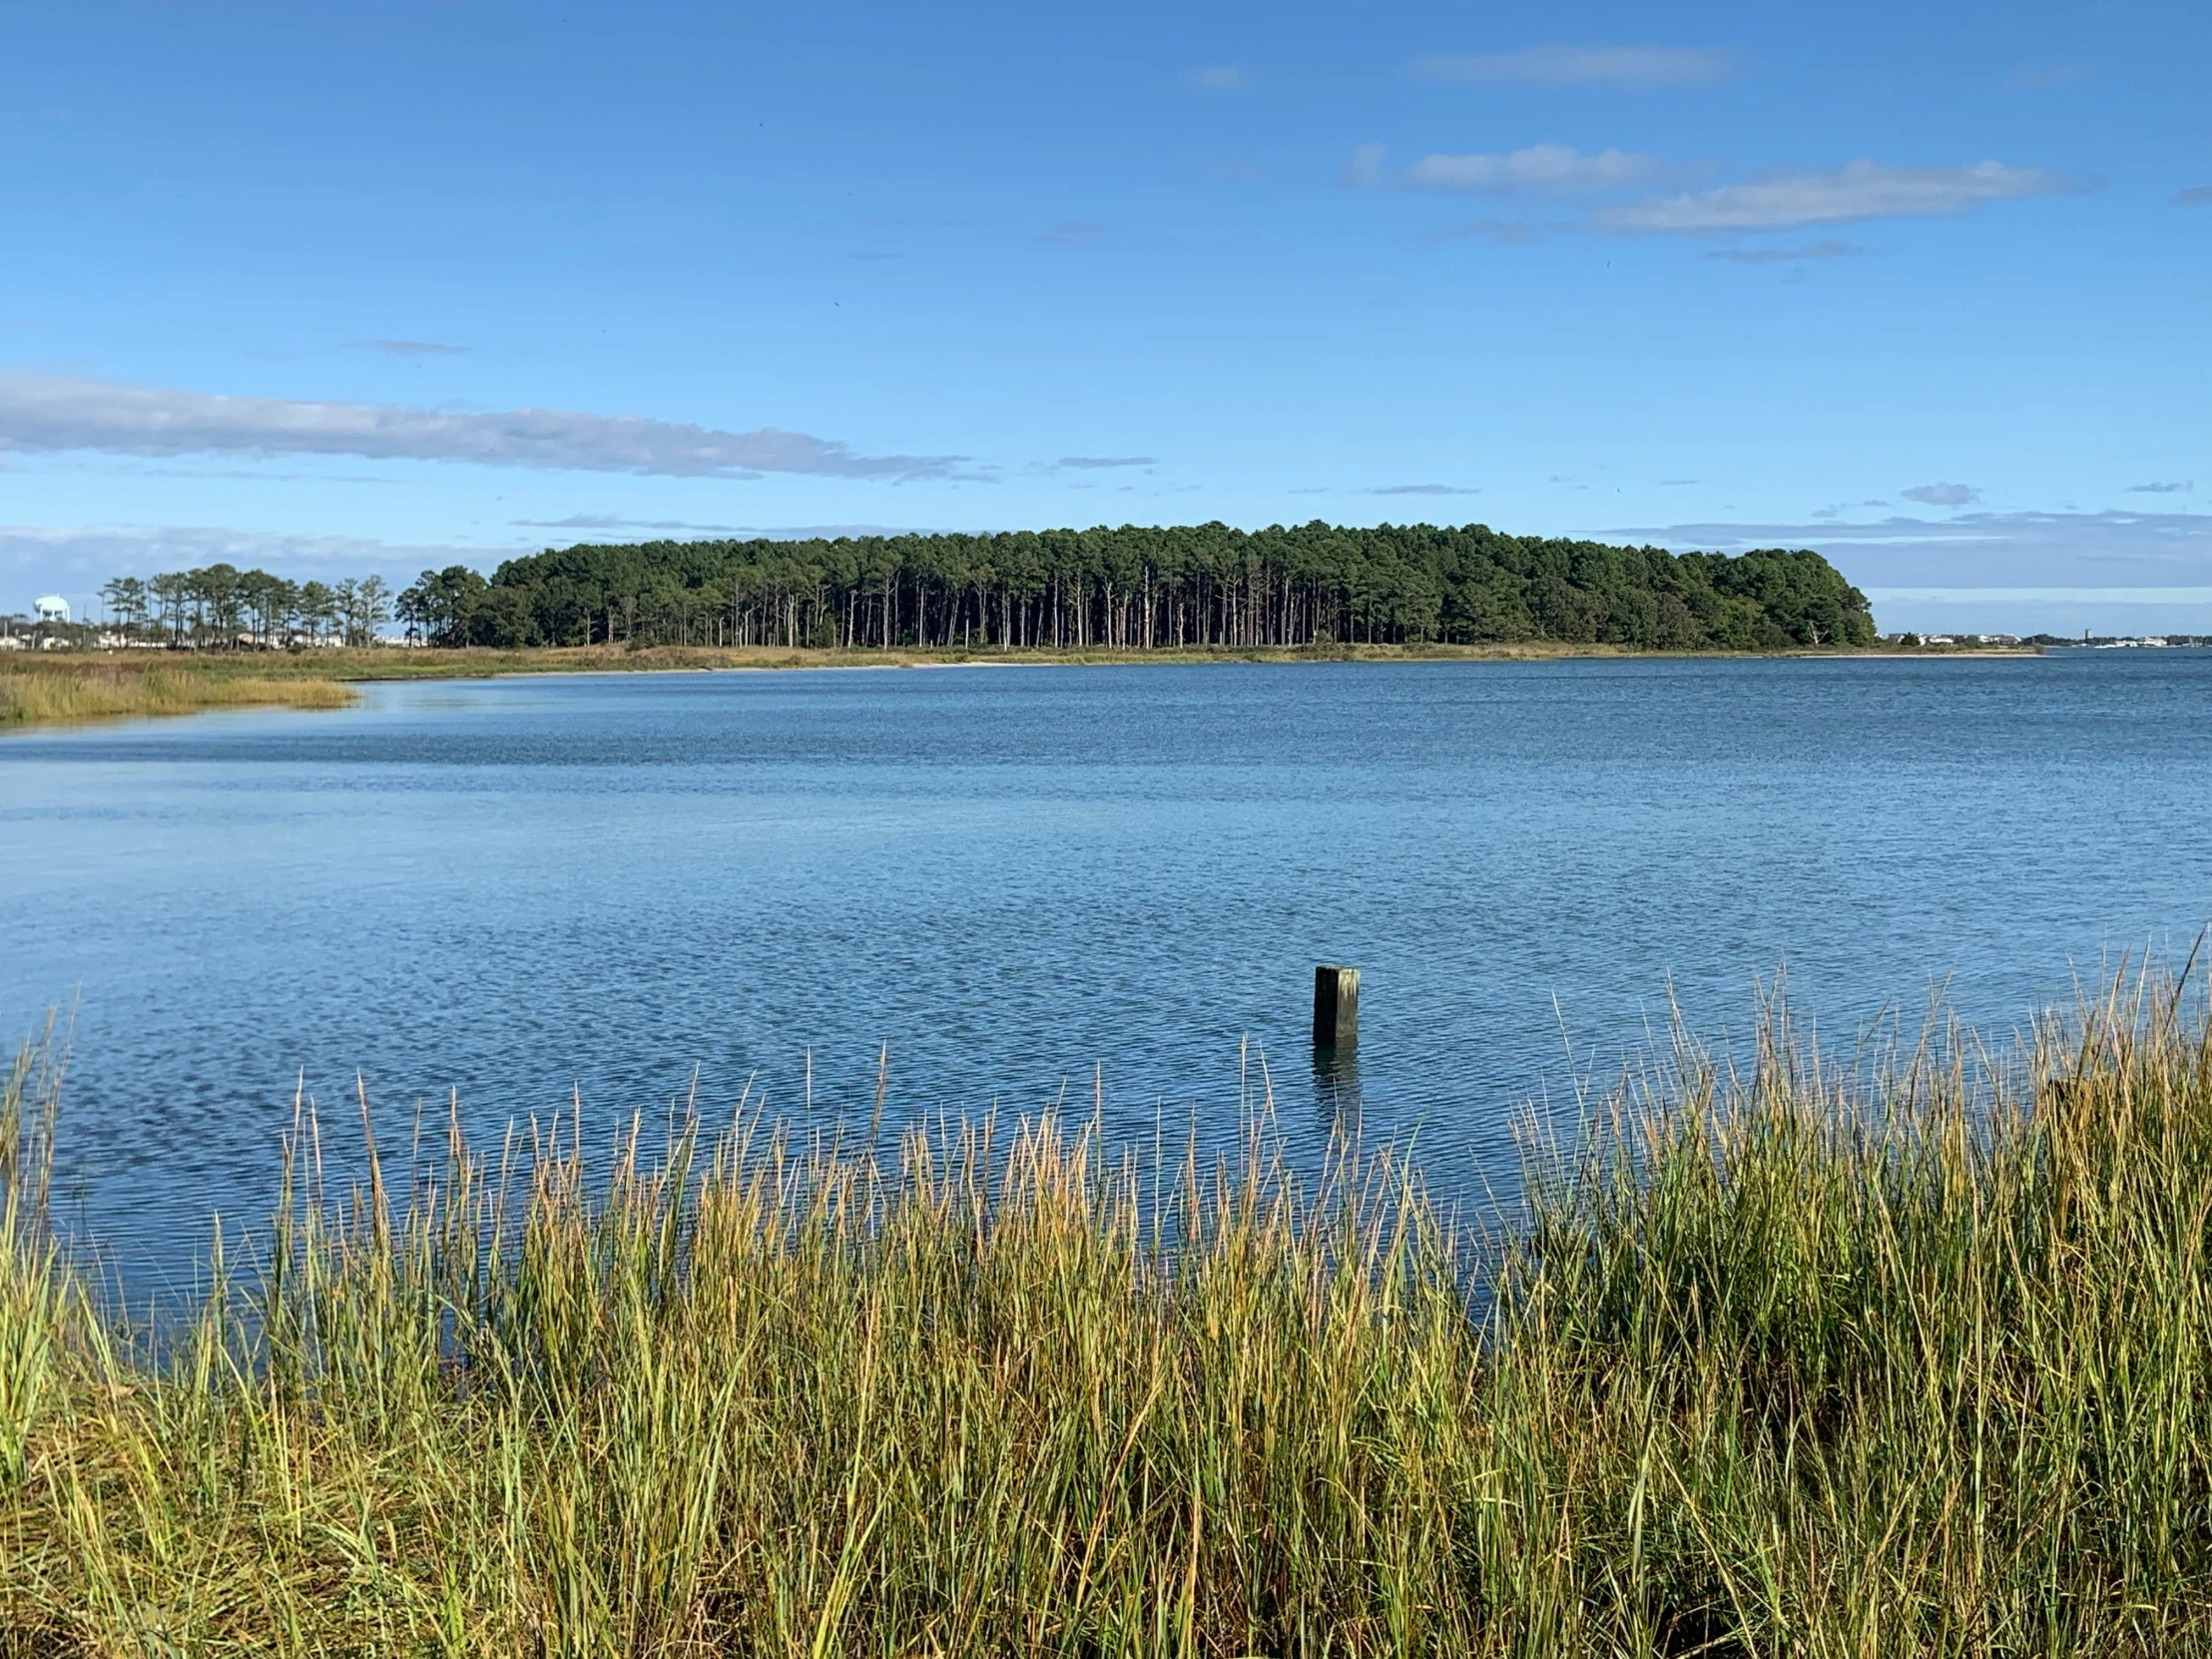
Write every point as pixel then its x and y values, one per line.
pixel 44 689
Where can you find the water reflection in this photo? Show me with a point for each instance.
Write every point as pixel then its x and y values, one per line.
pixel 1338 1105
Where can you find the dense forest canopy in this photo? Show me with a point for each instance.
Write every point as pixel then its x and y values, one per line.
pixel 1142 589
pixel 1131 589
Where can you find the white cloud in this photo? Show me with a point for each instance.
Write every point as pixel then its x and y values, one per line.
pixel 1420 489
pixel 1540 167
pixel 1858 190
pixel 1943 495
pixel 2156 488
pixel 48 414
pixel 1226 77
pixel 1622 66
pixel 1093 462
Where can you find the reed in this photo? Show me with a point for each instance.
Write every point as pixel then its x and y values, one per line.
pixel 1783 1360
pixel 44 690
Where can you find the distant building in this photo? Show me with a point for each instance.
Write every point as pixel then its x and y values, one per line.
pixel 51 607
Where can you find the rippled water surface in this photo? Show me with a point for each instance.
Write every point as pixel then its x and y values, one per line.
pixel 1032 881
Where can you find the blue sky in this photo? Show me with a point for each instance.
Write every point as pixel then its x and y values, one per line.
pixel 334 288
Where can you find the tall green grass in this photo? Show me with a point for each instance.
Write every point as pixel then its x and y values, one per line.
pixel 1770 1361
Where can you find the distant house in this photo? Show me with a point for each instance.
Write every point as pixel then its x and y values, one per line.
pixel 50 607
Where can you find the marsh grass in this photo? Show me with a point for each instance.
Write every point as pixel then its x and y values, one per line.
pixel 39 688
pixel 50 689
pixel 1779 1360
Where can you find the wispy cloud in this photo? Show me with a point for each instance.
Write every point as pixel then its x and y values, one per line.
pixel 1989 549
pixel 48 414
pixel 1943 495
pixel 2196 196
pixel 75 559
pixel 1786 255
pixel 614 521
pixel 743 532
pixel 1559 66
pixel 1227 77
pixel 1547 168
pixel 1364 169
pixel 2198 594
pixel 1856 191
pixel 410 347
pixel 1096 462
pixel 2160 490
pixel 2047 77
pixel 1073 233
pixel 61 554
pixel 1420 489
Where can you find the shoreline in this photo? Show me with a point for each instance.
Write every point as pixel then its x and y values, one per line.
pixel 50 689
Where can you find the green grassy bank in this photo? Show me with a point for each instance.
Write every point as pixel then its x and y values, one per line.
pixel 1778 1365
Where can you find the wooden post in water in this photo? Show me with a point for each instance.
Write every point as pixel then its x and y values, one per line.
pixel 1336 1007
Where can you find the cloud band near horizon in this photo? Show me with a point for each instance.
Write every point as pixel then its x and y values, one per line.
pixel 53 413
pixel 1984 549
pixel 1856 191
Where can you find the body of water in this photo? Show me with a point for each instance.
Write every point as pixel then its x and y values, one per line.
pixel 1023 883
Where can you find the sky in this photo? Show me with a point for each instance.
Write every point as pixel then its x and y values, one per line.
pixel 380 284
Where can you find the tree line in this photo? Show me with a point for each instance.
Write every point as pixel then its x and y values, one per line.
pixel 223 607
pixel 1127 589
pixel 1145 589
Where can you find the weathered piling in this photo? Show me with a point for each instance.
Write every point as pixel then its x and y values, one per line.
pixel 1336 1007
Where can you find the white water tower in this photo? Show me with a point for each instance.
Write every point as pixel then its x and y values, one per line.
pixel 51 607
